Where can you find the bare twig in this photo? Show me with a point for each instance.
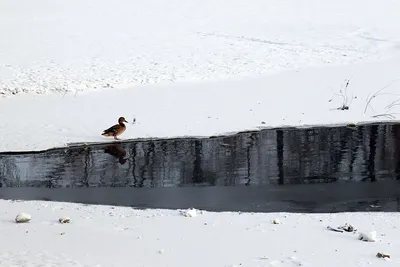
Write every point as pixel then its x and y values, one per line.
pixel 378 93
pixel 343 94
pixel 393 104
pixel 334 230
pixel 386 115
pixel 382 255
pixel 77 91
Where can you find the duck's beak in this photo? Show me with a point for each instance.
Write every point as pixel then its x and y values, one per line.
pixel 125 120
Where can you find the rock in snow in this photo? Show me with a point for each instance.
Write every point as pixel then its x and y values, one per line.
pixel 64 220
pixel 23 218
pixel 276 221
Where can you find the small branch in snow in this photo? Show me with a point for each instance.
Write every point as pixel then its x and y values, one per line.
pixel 393 104
pixel 334 230
pixel 347 228
pixel 378 93
pixel 64 220
pixel 386 115
pixel 76 92
pixel 388 109
pixel 345 99
pixel 382 255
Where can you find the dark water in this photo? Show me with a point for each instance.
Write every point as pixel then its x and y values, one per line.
pixel 313 170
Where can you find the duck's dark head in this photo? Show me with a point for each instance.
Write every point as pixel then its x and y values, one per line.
pixel 121 120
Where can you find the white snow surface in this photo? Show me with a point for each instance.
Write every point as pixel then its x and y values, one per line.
pixel 192 68
pixel 121 236
pixel 292 98
pixel 74 45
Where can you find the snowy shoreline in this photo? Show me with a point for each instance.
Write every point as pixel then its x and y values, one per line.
pixel 218 135
pixel 167 238
pixel 69 69
pixel 207 108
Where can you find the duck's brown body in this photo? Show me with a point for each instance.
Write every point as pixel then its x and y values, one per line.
pixel 116 129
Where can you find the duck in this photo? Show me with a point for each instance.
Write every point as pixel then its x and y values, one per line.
pixel 116 129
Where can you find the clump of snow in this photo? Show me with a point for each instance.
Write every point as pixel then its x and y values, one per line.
pixel 368 236
pixel 169 239
pixel 191 212
pixel 23 217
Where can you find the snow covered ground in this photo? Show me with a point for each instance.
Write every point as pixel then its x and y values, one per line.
pixel 69 69
pixel 74 45
pixel 118 236
pixel 146 60
pixel 37 122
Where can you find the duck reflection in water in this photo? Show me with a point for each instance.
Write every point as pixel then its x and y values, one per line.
pixel 117 151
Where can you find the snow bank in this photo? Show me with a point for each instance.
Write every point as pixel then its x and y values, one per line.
pixel 74 45
pixel 118 236
pixel 259 59
pixel 309 96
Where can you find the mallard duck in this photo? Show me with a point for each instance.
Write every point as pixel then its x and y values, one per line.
pixel 116 129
